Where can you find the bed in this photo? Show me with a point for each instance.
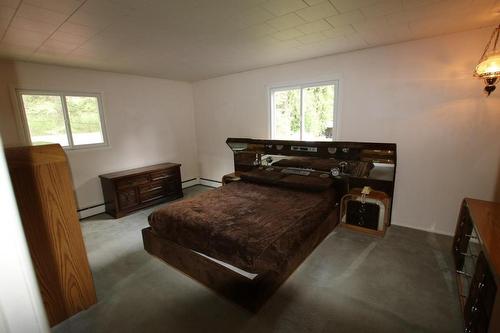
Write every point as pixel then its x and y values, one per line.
pixel 245 238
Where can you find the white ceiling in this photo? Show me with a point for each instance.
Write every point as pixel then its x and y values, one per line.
pixel 196 39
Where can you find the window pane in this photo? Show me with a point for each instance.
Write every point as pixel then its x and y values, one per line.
pixel 84 120
pixel 318 113
pixel 287 114
pixel 45 119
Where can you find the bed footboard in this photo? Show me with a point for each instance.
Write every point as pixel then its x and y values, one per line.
pixel 251 294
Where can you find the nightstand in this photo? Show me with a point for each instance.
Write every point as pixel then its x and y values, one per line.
pixel 365 213
pixel 230 177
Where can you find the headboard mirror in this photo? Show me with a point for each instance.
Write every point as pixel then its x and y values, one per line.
pixel 351 164
pixel 355 159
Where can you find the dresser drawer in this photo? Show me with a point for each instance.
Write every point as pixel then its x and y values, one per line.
pixel 132 181
pixel 164 175
pixel 158 189
pixel 130 190
pixel 127 198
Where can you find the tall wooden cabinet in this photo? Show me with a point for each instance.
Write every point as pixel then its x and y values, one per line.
pixel 476 250
pixel 46 201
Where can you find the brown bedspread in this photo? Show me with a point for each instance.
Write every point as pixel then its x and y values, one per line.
pixel 253 227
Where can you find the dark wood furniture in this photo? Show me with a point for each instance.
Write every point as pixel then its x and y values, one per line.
pixel 127 191
pixel 251 294
pixel 371 217
pixel 230 177
pixel 252 153
pixel 44 192
pixel 476 251
pixel 248 155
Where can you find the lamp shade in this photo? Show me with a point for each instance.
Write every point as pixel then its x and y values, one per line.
pixel 490 66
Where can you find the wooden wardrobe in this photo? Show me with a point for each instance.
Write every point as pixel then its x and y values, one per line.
pixel 44 192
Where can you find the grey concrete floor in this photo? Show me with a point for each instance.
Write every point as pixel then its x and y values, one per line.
pixel 350 283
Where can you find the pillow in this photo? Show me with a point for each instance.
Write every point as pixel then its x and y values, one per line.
pixel 297 162
pixel 262 176
pixel 313 182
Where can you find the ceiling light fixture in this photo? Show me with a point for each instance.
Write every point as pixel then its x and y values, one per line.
pixel 488 67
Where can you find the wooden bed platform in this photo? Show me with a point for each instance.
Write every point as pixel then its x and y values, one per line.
pixel 251 294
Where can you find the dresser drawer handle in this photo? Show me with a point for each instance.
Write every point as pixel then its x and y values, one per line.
pixel 154 198
pixel 155 188
pixel 464 274
pixel 162 177
pixel 468 255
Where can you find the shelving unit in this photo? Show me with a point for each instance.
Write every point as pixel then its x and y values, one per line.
pixel 476 250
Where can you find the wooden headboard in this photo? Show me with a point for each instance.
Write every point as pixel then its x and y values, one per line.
pixel 254 153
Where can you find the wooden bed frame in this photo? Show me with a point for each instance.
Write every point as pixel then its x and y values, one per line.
pixel 251 294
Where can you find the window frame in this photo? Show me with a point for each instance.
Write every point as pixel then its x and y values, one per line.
pixel 62 95
pixel 301 87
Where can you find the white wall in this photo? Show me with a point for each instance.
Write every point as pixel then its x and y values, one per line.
pixel 148 121
pixel 21 307
pixel 419 94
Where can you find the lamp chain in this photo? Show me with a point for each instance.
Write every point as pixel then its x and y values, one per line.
pixel 495 32
pixel 496 39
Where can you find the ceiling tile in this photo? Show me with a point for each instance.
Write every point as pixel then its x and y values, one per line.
pixel 317 26
pixel 24 38
pixel 313 2
pixel 282 7
pixel 349 5
pixel 259 30
pixel 289 44
pixel 346 18
pixel 69 38
pixel 407 4
pixel 311 38
pixel 10 3
pixel 316 12
pixel 40 14
pixel 6 14
pixel 286 21
pixel 27 24
pixel 59 46
pixel 345 30
pixel 288 34
pixel 382 8
pixel 94 20
pixel 196 39
pixel 78 29
pixel 377 23
pixel 431 10
pixel 60 6
pixel 108 7
pixel 253 16
pixel 14 50
pixel 332 33
pixel 3 27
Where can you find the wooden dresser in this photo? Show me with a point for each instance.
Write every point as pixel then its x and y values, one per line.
pixel 44 193
pixel 476 250
pixel 130 190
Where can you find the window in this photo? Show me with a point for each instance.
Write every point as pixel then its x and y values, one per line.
pixel 72 120
pixel 304 112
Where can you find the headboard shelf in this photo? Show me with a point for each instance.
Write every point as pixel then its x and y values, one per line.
pixel 361 163
pixel 361 151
